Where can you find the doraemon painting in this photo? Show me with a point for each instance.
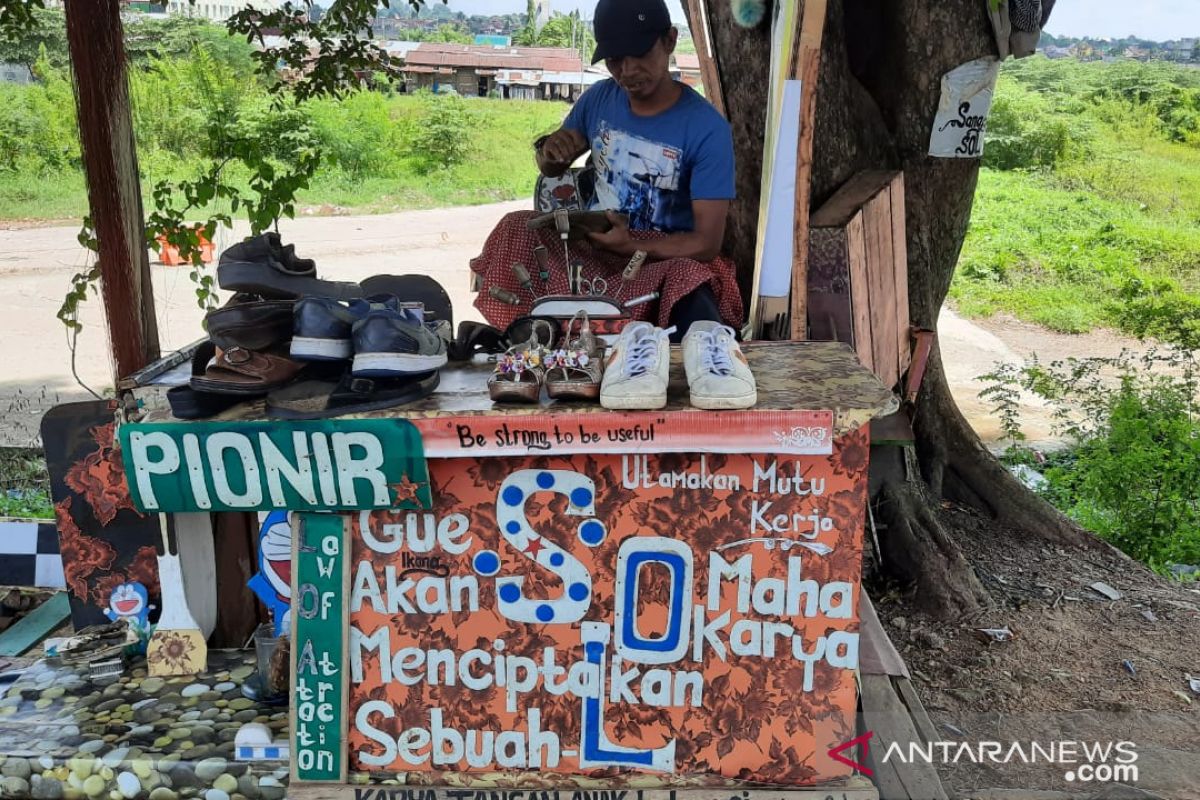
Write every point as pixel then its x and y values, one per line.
pixel 130 601
pixel 273 583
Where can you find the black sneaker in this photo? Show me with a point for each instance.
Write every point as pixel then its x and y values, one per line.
pixel 388 343
pixel 264 266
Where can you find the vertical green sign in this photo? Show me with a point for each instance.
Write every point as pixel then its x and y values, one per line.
pixel 320 589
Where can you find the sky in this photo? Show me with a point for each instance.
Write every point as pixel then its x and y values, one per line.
pixel 1149 19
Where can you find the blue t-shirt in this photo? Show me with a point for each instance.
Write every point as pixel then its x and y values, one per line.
pixel 652 168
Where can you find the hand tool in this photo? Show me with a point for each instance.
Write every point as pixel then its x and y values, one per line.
pixel 597 287
pixel 523 279
pixel 504 296
pixel 543 261
pixel 634 266
pixel 645 298
pixel 574 275
pixel 562 224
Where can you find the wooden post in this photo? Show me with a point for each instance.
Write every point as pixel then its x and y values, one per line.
pixel 807 69
pixel 697 16
pixel 94 36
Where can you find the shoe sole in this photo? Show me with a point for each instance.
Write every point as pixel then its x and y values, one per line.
pixel 724 402
pixel 643 402
pixel 261 279
pixel 374 365
pixel 311 348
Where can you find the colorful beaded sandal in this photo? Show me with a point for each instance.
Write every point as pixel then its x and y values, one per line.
pixel 573 371
pixel 521 369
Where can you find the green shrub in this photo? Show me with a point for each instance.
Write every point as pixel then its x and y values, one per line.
pixel 37 124
pixel 441 136
pixel 1132 474
pixel 1159 309
pixel 357 135
pixel 1025 132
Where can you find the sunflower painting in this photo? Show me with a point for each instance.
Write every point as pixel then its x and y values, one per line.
pixel 712 598
pixel 176 652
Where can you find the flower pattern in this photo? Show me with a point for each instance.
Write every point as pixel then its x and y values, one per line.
pixel 755 722
pixel 100 477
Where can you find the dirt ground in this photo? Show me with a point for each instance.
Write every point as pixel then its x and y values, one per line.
pixel 1079 665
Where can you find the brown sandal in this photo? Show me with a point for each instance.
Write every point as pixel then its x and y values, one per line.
pixel 244 372
pixel 520 371
pixel 573 371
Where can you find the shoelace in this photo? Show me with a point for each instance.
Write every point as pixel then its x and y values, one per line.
pixel 643 353
pixel 714 350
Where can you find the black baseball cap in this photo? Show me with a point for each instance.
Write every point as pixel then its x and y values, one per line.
pixel 628 27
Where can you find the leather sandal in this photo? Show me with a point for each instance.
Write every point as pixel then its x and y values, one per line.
pixel 574 370
pixel 246 373
pixel 520 371
pixel 187 403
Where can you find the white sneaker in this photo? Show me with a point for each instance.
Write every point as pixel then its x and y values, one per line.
pixel 717 373
pixel 637 369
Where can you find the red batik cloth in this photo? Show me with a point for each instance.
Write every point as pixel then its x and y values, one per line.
pixel 511 242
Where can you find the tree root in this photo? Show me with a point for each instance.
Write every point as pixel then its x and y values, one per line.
pixel 918 550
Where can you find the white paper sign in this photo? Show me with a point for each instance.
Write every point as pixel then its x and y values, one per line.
pixel 963 112
pixel 775 278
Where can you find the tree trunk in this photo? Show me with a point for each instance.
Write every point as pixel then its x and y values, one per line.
pixel 96 41
pixel 880 84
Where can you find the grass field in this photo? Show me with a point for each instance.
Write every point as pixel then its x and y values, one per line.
pixel 1108 234
pixel 499 166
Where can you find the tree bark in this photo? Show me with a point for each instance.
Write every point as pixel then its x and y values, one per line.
pixel 880 84
pixel 96 41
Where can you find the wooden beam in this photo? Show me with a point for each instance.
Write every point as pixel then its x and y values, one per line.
pixel 36 625
pixel 807 68
pixel 697 16
pixel 97 49
pixel 885 714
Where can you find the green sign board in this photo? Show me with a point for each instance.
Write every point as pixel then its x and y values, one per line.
pixel 320 585
pixel 318 465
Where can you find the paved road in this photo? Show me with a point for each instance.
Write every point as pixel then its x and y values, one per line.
pixel 36 265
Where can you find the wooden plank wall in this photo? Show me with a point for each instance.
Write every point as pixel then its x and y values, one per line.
pixel 858 273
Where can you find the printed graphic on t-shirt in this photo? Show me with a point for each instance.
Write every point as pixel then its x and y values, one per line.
pixel 638 176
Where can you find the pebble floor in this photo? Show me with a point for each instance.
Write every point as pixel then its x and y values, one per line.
pixel 64 736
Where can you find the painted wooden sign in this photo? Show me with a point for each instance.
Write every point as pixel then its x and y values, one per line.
pixel 107 545
pixel 300 466
pixel 606 615
pixel 792 432
pixel 318 708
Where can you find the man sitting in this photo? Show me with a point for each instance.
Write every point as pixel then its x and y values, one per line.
pixel 663 159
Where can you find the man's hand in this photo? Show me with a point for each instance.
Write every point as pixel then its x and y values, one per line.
pixel 616 240
pixel 559 150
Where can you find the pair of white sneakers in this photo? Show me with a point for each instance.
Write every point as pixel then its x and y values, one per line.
pixel 638 368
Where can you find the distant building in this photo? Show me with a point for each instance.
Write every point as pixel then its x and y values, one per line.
pixel 518 73
pixel 219 10
pixel 687 69
pixel 1137 53
pixel 15 73
pixel 1182 50
pixel 492 40
pixel 1054 51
